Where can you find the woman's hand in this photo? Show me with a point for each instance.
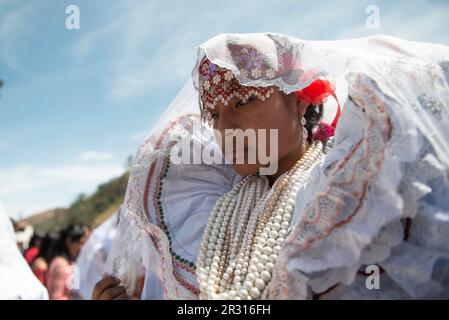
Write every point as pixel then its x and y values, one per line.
pixel 109 288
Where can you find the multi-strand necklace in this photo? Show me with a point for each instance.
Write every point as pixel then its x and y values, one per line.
pixel 246 231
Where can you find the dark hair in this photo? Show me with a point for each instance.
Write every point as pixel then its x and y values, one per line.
pixel 73 232
pixel 36 237
pixel 47 249
pixel 313 115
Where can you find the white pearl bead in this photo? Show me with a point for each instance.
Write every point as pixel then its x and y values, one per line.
pixel 269 266
pixel 264 258
pixel 255 260
pixel 243 293
pixel 271 242
pixel 254 292
pixel 267 251
pixel 247 284
pixel 252 269
pixel 250 277
pixel 259 284
pixel 275 226
pixel 265 275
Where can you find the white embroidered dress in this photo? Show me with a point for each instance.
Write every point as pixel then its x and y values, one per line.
pixel 379 198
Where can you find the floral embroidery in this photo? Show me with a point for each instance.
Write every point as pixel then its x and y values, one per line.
pixel 217 79
pixel 228 75
pixel 256 73
pixel 270 73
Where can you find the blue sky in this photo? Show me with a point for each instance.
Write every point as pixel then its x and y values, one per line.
pixel 76 103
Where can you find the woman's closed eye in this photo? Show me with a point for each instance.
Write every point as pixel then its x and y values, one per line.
pixel 242 103
pixel 214 115
pixel 239 104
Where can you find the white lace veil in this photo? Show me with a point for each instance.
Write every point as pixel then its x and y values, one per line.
pixel 142 244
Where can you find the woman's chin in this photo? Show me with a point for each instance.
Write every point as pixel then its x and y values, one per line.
pixel 246 169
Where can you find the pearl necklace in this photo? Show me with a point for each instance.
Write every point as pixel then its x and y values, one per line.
pixel 246 230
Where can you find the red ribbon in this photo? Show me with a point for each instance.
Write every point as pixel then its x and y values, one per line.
pixel 316 92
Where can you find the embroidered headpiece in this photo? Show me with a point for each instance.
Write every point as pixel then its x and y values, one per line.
pixel 218 84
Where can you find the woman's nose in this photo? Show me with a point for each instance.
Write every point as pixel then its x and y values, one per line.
pixel 226 120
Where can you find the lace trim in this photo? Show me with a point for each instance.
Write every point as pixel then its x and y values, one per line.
pixel 157 180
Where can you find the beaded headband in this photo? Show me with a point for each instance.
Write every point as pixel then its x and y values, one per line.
pixel 218 84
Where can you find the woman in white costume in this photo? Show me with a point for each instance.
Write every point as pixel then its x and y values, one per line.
pixel 93 255
pixel 336 211
pixel 17 281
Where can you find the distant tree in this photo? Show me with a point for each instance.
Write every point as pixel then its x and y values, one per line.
pixel 80 198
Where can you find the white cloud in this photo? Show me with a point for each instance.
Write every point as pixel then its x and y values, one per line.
pixel 26 178
pixel 13 25
pixel 28 189
pixel 92 155
pixel 84 46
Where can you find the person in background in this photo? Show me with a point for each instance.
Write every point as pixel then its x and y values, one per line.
pixel 40 263
pixel 61 273
pixel 23 232
pixel 33 248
